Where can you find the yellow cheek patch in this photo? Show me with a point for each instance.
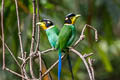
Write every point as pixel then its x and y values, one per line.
pixel 73 20
pixel 43 26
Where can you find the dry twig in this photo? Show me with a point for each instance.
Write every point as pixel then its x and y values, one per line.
pixel 33 37
pixel 90 61
pixel 2 28
pixel 7 69
pixel 19 34
pixel 82 36
pixel 84 60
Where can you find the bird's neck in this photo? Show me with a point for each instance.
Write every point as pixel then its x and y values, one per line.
pixel 68 24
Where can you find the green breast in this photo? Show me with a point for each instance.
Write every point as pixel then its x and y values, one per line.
pixel 65 35
pixel 52 35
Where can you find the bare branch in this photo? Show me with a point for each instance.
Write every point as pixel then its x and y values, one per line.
pixel 19 30
pixel 15 73
pixel 2 28
pixel 90 61
pixel 38 42
pixel 83 59
pixel 33 37
pixel 23 66
pixel 12 55
pixel 52 66
pixel 38 19
pixel 19 33
pixel 40 63
pixel 87 55
pixel 82 36
pixel 34 55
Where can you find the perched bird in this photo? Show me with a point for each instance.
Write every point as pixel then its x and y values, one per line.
pixel 66 36
pixel 51 31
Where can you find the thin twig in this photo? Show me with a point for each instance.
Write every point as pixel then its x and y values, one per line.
pixel 12 55
pixel 2 28
pixel 40 63
pixel 52 66
pixel 19 33
pixel 82 36
pixel 19 30
pixel 15 73
pixel 83 59
pixel 90 61
pixel 34 55
pixel 38 19
pixel 38 42
pixel 87 55
pixel 33 37
pixel 23 66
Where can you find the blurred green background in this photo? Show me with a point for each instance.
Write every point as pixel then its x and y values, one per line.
pixel 104 15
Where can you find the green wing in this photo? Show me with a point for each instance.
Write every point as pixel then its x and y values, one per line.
pixel 64 36
pixel 72 37
pixel 56 30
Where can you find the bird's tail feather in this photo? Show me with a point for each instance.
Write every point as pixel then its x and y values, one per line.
pixel 59 65
pixel 70 66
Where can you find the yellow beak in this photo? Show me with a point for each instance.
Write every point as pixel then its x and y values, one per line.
pixel 39 23
pixel 78 15
pixel 42 24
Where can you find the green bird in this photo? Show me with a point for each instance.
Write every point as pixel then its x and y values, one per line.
pixel 51 31
pixel 66 36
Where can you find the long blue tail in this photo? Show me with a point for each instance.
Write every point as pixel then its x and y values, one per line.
pixel 70 66
pixel 59 65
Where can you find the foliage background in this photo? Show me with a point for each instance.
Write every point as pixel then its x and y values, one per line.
pixel 104 15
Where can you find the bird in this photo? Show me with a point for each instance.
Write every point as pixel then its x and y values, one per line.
pixel 51 31
pixel 66 37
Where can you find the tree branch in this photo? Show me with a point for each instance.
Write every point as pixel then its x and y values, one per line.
pixel 90 61
pixel 19 34
pixel 12 55
pixel 33 37
pixel 19 30
pixel 38 19
pixel 34 55
pixel 7 69
pixel 40 63
pixel 82 36
pixel 2 28
pixel 83 59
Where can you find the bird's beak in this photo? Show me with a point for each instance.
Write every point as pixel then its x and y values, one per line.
pixel 39 23
pixel 42 24
pixel 78 15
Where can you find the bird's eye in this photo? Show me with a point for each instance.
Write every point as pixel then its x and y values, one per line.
pixel 66 18
pixel 48 22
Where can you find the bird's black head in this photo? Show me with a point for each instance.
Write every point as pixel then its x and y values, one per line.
pixel 70 18
pixel 45 23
